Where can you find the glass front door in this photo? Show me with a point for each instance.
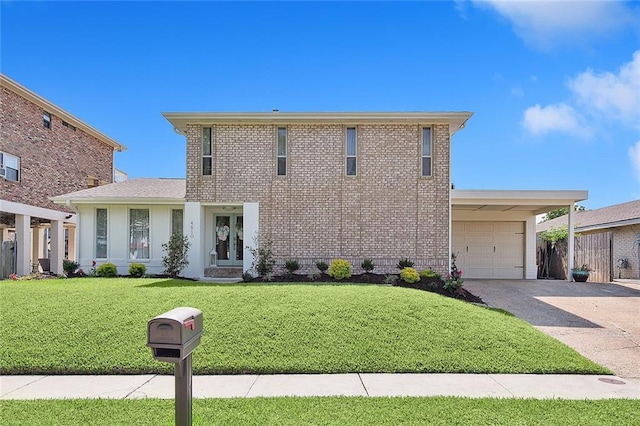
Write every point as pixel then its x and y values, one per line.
pixel 228 237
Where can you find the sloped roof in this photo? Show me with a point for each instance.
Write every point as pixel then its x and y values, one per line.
pixel 135 190
pixel 607 217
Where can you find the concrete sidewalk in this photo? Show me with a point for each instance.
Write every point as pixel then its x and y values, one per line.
pixel 247 386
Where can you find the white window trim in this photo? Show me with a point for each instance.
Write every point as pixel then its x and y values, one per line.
pixel 422 155
pixel 95 233
pixel 346 150
pixel 211 149
pixel 129 259
pixel 4 166
pixel 286 150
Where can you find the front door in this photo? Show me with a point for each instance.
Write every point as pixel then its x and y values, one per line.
pixel 228 237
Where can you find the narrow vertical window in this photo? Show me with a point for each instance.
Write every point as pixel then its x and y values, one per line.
pixel 176 221
pixel 282 151
pixel 46 120
pixel 139 234
pixel 351 151
pixel 426 151
pixel 207 158
pixel 101 233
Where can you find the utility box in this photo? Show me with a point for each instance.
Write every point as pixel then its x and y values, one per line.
pixel 172 336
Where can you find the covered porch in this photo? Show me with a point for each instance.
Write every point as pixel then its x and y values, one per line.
pixel 32 233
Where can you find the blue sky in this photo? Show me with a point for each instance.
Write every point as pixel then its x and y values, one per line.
pixel 554 86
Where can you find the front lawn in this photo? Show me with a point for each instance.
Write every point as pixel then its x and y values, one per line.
pixel 98 326
pixel 325 411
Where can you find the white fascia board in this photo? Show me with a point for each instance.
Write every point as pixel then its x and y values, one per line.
pixel 608 225
pixel 150 201
pixel 33 211
pixel 524 197
pixel 179 120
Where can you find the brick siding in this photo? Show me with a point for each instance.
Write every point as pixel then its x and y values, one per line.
pixel 386 212
pixel 53 161
pixel 625 246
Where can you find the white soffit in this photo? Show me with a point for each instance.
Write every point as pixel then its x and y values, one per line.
pixel 535 201
pixel 455 119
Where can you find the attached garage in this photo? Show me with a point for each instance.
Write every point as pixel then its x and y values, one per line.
pixel 489 249
pixel 493 233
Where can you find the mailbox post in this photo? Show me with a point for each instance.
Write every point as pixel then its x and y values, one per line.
pixel 172 337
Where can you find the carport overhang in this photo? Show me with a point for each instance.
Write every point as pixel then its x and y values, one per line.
pixel 517 205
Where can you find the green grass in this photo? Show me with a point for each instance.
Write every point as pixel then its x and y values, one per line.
pixel 98 326
pixel 325 411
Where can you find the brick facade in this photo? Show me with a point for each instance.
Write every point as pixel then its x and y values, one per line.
pixel 625 246
pixel 386 212
pixel 53 161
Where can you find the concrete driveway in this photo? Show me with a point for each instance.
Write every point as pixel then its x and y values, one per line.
pixel 601 321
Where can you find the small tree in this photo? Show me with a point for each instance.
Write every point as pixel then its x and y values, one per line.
pixel 176 258
pixel 263 261
pixel 560 212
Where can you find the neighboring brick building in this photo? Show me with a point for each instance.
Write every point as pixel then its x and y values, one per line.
pixel 44 152
pixel 319 186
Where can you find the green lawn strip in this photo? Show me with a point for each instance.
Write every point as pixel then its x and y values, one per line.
pixel 325 411
pixel 98 326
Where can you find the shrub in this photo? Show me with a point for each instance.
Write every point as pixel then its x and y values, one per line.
pixel 313 276
pixel 137 270
pixel 367 265
pixel 69 266
pixel 107 270
pixel 404 263
pixel 291 265
pixel 247 277
pixel 322 266
pixel 391 279
pixel 176 258
pixel 409 275
pixel 340 269
pixel 263 261
pixel 429 273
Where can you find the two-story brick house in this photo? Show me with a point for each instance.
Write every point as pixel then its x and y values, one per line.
pixel 319 186
pixel 44 151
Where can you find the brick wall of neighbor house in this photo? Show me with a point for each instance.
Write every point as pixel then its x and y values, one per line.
pixel 53 161
pixel 625 245
pixel 386 212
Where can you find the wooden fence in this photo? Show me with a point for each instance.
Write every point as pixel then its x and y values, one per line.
pixel 593 250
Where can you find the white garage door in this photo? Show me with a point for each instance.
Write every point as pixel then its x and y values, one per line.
pixel 489 249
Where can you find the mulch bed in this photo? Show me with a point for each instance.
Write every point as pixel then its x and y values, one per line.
pixel 433 285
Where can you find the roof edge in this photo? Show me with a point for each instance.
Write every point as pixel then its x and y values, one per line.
pixel 456 119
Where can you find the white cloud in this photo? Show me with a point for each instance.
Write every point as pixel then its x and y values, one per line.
pixel 599 97
pixel 634 155
pixel 614 96
pixel 558 117
pixel 547 23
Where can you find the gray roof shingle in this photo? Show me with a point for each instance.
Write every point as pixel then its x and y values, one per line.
pixel 157 188
pixel 606 217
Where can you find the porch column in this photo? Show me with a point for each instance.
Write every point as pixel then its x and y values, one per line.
pixel 530 267
pixel 193 228
pixel 23 244
pixel 250 221
pixel 57 246
pixel 35 244
pixel 570 241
